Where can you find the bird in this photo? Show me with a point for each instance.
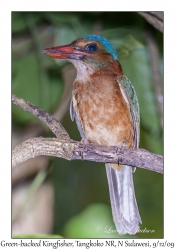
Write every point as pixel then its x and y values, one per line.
pixel 106 110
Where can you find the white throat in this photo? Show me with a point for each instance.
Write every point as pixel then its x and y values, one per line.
pixel 83 70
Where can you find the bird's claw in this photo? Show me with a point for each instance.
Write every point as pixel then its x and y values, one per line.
pixel 84 142
pixel 120 150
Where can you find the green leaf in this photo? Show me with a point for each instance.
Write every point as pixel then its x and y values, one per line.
pixel 18 20
pixel 43 92
pixel 18 23
pixel 94 222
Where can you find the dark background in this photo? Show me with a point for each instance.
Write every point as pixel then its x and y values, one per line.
pixel 71 199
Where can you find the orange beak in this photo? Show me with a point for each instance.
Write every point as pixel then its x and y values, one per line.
pixel 64 52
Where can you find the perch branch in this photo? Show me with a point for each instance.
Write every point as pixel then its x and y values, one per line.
pixel 74 150
pixel 68 149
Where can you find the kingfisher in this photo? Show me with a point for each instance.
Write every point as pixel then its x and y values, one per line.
pixel 106 110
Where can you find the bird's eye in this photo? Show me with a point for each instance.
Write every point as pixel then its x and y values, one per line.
pixel 92 47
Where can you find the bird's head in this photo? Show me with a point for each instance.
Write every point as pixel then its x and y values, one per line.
pixel 91 51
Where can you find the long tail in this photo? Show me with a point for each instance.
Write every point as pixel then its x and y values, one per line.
pixel 123 202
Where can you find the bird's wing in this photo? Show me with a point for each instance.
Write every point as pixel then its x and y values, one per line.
pixel 73 116
pixel 130 97
pixel 72 111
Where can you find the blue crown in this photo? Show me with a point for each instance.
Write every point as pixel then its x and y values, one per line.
pixel 105 43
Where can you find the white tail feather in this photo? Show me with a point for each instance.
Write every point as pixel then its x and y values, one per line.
pixel 123 202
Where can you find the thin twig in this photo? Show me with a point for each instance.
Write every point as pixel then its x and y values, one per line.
pixel 154 61
pixel 154 18
pixel 55 126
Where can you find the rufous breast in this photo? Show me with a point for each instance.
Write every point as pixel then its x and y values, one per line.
pixel 102 111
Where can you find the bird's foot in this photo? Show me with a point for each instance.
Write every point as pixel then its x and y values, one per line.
pixel 121 147
pixel 85 142
pixel 120 150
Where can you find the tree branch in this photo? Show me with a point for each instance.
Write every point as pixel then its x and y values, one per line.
pixel 68 149
pixel 55 126
pixel 74 150
pixel 154 61
pixel 154 17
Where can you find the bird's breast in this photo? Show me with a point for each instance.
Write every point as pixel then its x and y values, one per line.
pixel 102 111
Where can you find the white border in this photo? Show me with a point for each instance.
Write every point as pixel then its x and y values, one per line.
pixel 5 93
